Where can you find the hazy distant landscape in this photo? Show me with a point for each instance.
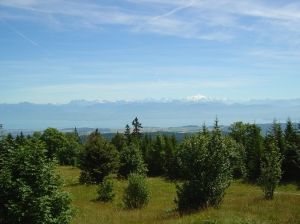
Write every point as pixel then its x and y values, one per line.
pixel 163 113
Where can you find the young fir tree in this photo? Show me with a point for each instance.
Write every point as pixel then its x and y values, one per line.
pixel 270 169
pixel 119 141
pixel 137 192
pixel 97 159
pixel 204 161
pixel 254 151
pixel 105 190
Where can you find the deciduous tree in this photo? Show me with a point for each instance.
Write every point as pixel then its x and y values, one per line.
pixel 131 161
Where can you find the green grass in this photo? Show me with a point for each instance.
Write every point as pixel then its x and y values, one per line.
pixel 242 204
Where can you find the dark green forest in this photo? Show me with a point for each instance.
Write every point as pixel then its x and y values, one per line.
pixel 205 162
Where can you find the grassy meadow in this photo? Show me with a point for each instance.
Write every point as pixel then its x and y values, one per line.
pixel 242 204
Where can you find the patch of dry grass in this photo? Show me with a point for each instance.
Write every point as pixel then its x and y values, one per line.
pixel 242 204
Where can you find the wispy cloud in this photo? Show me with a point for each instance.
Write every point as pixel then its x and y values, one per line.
pixel 147 86
pixel 191 19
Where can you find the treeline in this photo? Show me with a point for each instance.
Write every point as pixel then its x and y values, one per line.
pixel 160 154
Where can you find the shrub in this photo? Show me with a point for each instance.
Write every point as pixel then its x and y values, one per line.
pixel 30 188
pixel 204 161
pixel 270 170
pixel 105 190
pixel 137 193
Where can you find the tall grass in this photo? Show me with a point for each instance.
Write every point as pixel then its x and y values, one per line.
pixel 242 204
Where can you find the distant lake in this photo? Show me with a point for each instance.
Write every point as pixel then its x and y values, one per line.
pixel 120 124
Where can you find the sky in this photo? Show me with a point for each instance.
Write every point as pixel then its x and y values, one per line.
pixel 55 51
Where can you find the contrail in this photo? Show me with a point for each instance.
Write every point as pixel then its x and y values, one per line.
pixel 173 11
pixel 26 38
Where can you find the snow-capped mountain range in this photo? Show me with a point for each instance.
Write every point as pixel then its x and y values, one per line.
pixel 195 99
pixel 192 110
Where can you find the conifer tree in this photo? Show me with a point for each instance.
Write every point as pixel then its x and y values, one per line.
pixel 119 141
pixel 270 169
pixel 254 151
pixel 204 162
pixel 97 159
pixel 291 161
pixel 136 128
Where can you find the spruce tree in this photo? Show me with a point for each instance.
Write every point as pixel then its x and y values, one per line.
pixel 97 159
pixel 136 128
pixel 254 151
pixel 291 161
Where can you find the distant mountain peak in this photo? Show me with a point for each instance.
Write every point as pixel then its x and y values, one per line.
pixel 200 97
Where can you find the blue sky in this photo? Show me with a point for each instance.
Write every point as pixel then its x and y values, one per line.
pixel 57 51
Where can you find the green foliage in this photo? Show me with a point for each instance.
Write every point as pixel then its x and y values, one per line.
pixel 68 154
pixel 127 130
pixel 55 141
pixel 205 164
pixel 64 147
pixel 248 137
pixel 119 141
pixel 146 144
pixel 254 150
pixel 137 192
pixel 160 155
pixel 275 133
pixel 291 161
pixel 8 140
pixel 156 155
pixel 270 170
pixel 30 188
pixel 237 158
pixel 20 139
pixel 170 165
pixel 131 160
pixel 136 128
pixel 105 190
pixel 97 159
pixel 1 131
pixel 238 132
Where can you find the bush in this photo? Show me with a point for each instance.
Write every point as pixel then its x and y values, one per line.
pixel 131 160
pixel 30 188
pixel 105 190
pixel 270 170
pixel 204 161
pixel 137 193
